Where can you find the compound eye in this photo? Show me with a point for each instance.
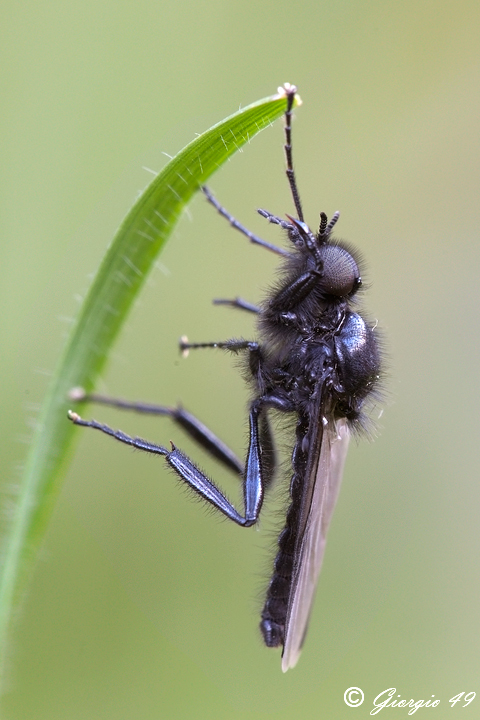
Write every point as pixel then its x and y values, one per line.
pixel 341 276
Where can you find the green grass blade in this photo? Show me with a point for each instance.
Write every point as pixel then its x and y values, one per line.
pixel 121 275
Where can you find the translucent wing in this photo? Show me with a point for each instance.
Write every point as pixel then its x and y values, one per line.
pixel 326 472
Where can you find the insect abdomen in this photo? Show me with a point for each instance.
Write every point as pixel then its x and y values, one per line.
pixel 274 612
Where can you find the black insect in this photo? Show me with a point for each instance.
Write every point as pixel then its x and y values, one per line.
pixel 315 358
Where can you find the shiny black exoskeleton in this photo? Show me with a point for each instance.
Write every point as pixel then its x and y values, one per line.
pixel 315 358
pixel 321 361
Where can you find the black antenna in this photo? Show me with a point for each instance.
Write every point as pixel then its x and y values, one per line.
pixel 323 224
pixel 291 90
pixel 332 222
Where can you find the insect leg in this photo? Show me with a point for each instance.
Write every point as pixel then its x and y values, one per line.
pixel 186 470
pixel 232 345
pixel 269 457
pixel 238 303
pixel 241 228
pixel 235 346
pixel 290 296
pixel 188 422
pixel 275 220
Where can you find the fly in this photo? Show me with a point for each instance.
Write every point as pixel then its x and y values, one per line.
pixel 316 359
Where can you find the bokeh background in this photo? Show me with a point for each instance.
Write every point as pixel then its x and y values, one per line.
pixel 143 604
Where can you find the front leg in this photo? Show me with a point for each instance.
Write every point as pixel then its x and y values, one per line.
pixel 292 295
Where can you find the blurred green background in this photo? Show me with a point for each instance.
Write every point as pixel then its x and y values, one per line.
pixel 143 604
